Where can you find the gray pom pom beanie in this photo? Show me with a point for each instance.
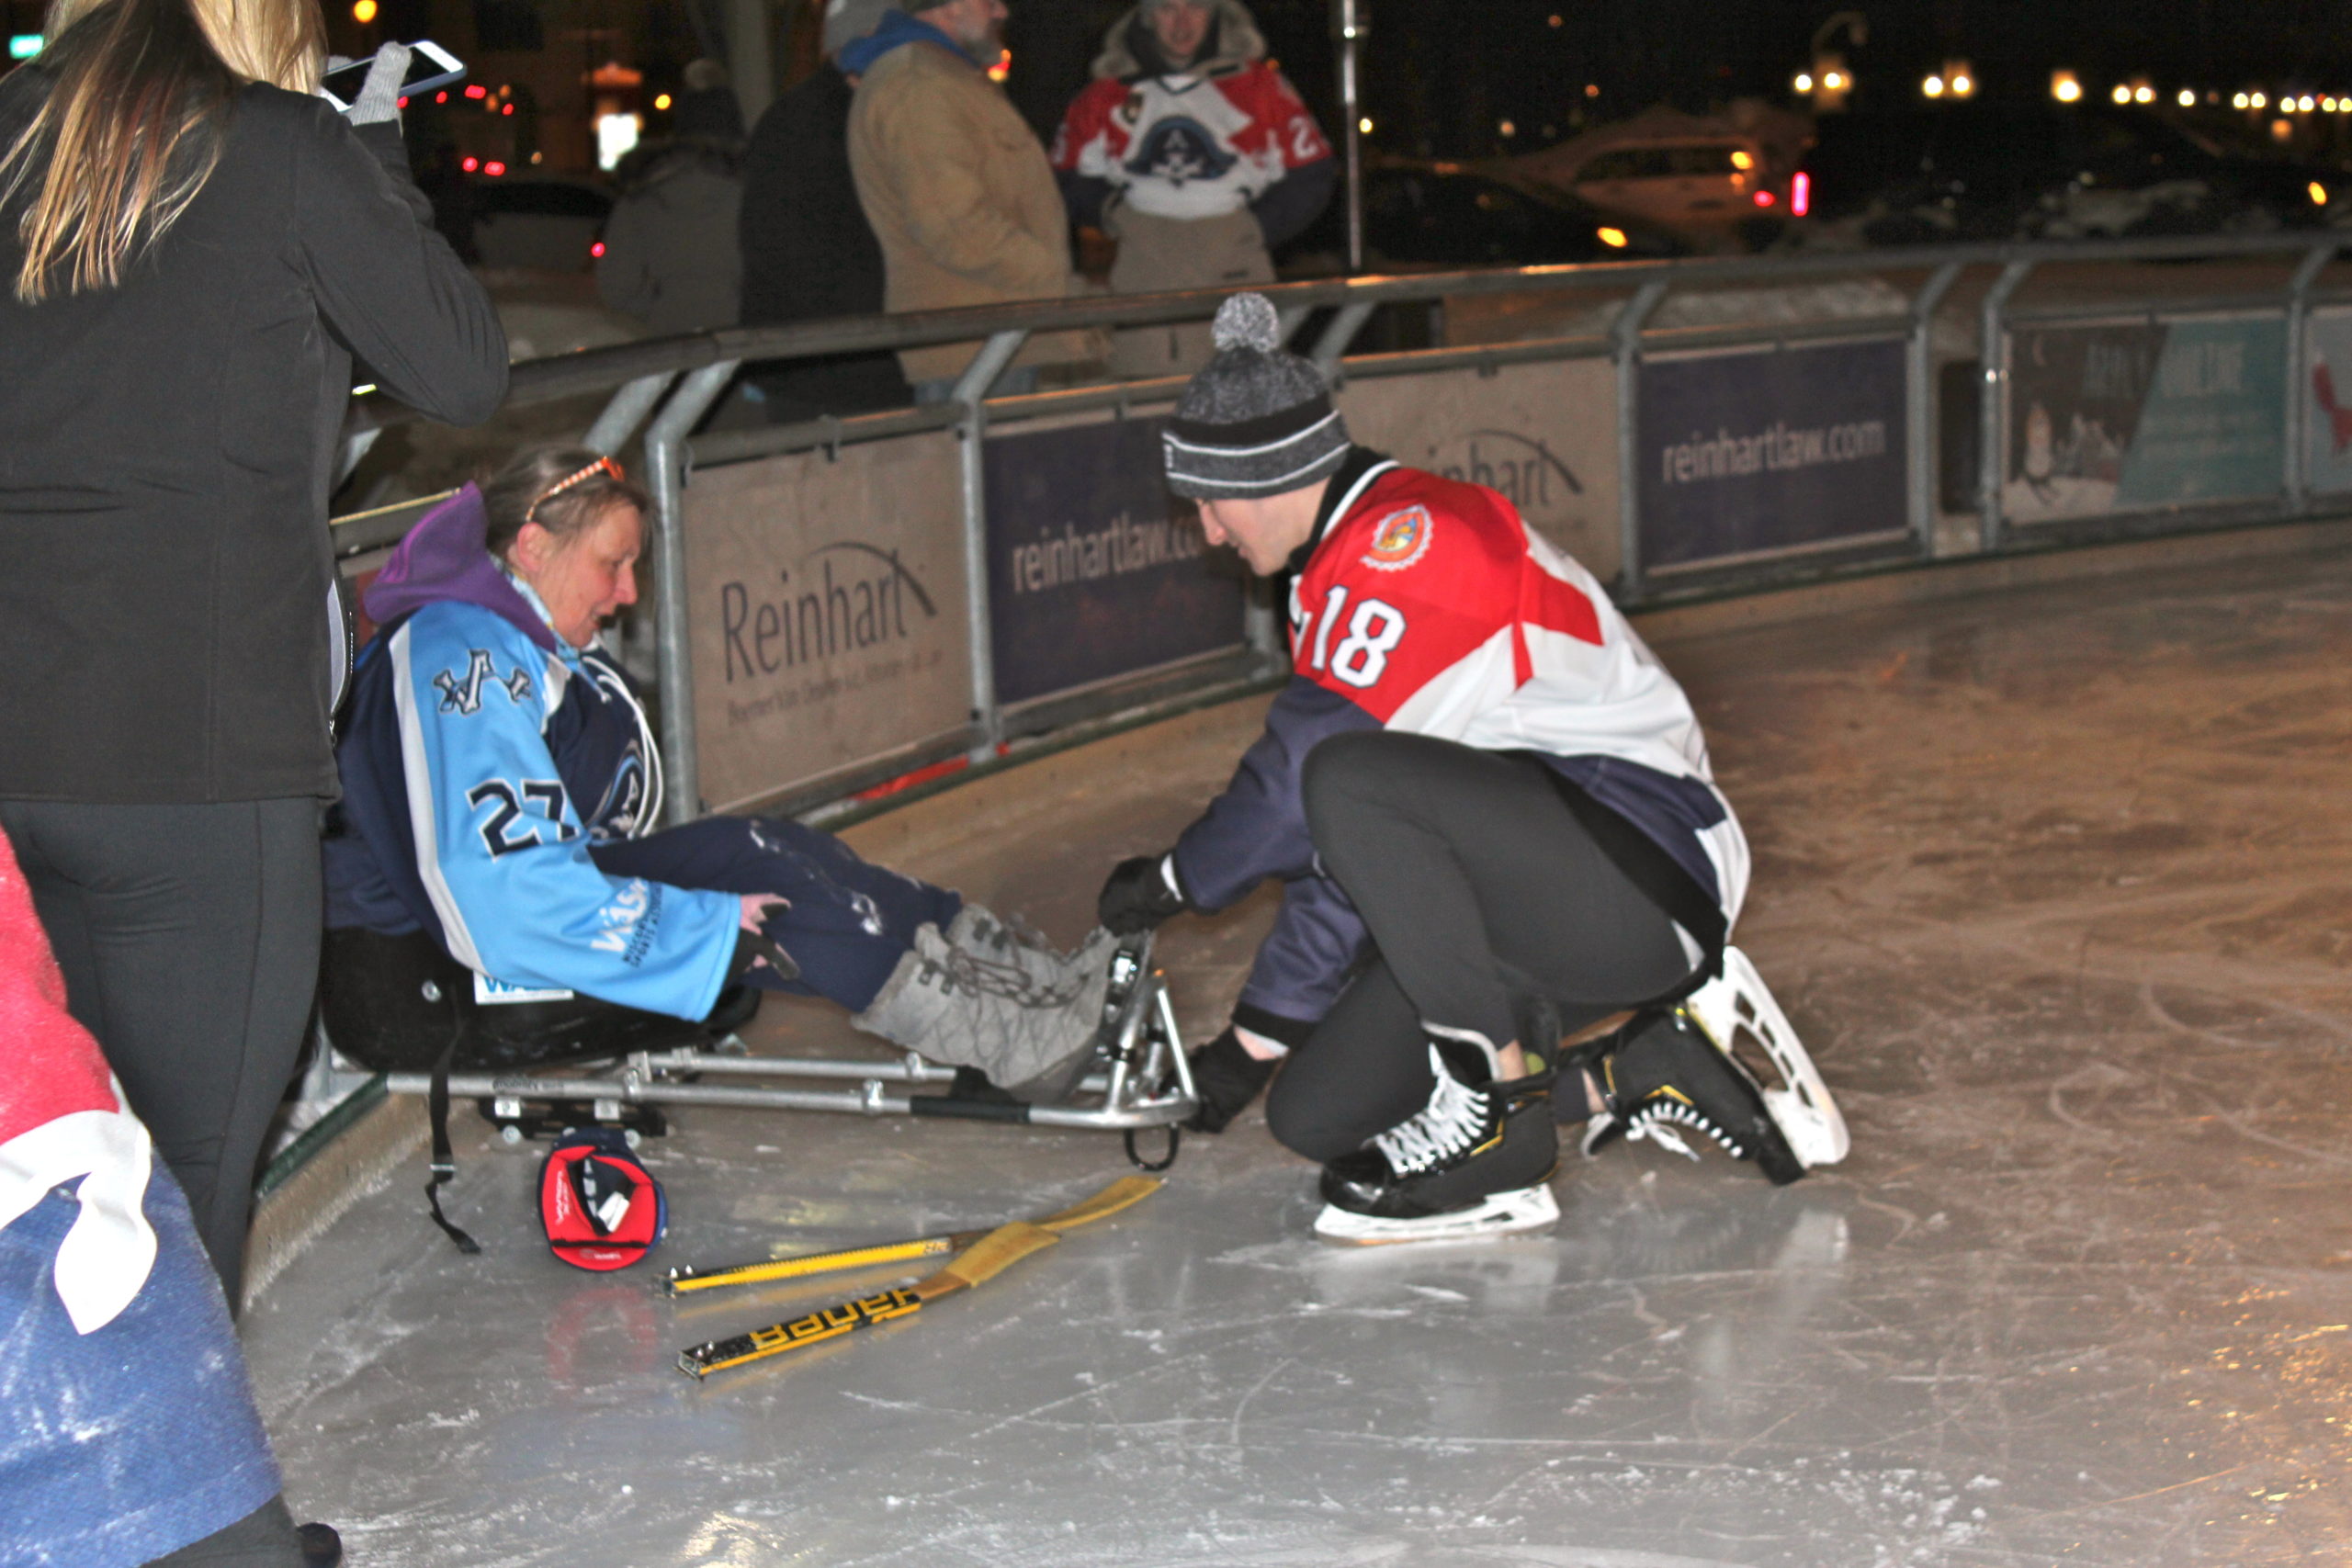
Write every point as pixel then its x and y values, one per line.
pixel 1257 419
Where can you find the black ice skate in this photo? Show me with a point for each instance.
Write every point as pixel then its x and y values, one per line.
pixel 1473 1162
pixel 1661 1074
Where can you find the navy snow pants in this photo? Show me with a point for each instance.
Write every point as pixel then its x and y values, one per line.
pixel 848 922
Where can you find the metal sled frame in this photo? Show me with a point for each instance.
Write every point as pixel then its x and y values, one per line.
pixel 1140 1079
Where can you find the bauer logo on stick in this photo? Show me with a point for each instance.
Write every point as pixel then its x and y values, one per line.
pixel 600 1208
pixel 1402 539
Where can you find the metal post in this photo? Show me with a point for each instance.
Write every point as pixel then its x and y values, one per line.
pixel 629 405
pixel 1332 344
pixel 2299 373
pixel 1261 623
pixel 751 55
pixel 972 395
pixel 664 446
pixel 1625 347
pixel 1348 23
pixel 1919 377
pixel 1992 402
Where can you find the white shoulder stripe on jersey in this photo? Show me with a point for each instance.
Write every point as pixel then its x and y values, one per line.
pixel 417 770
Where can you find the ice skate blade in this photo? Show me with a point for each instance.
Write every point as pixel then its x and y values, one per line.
pixel 1504 1213
pixel 1800 1105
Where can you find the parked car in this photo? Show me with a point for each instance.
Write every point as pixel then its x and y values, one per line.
pixel 1714 180
pixel 1437 214
pixel 1998 170
pixel 539 223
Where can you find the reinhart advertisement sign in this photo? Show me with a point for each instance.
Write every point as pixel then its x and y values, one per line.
pixel 827 605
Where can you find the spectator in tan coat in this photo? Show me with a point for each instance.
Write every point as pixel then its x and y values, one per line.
pixel 955 185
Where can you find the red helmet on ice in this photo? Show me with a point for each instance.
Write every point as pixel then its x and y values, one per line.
pixel 602 1209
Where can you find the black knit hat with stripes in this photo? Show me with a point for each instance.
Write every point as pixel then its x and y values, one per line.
pixel 1258 420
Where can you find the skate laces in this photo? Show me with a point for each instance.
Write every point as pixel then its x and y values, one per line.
pixel 1002 977
pixel 1657 1117
pixel 1448 1126
pixel 1668 1106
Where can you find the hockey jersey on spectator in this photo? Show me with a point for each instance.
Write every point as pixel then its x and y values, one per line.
pixel 1426 605
pixel 1187 145
pixel 481 758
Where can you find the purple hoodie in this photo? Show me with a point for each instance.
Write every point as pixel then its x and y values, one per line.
pixel 444 557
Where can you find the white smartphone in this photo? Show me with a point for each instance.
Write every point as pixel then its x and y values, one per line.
pixel 430 68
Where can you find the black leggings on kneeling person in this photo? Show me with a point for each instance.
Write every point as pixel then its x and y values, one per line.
pixel 1484 894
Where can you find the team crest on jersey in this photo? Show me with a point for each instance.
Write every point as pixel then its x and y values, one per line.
pixel 1402 539
pixel 1178 149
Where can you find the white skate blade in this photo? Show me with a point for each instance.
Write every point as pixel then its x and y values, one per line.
pixel 1504 1213
pixel 1800 1104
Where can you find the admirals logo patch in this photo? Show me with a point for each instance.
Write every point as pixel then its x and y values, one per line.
pixel 1402 539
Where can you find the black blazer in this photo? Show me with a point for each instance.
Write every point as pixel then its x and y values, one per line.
pixel 166 449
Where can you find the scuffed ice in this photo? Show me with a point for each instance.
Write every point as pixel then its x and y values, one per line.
pixel 2058 888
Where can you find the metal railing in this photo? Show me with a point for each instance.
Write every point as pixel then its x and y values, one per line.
pixel 666 387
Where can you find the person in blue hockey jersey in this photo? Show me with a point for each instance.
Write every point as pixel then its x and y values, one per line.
pixel 501 785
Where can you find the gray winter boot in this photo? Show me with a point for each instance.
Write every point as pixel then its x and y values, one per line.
pixel 1032 1037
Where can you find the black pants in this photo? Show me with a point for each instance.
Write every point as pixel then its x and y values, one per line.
pixel 190 939
pixel 1484 895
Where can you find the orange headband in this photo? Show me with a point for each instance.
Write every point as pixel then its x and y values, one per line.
pixel 601 465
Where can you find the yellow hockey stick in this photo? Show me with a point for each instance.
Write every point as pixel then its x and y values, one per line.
pixel 1123 1193
pixel 989 1257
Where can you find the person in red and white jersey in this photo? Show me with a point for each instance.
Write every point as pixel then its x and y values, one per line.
pixel 1491 810
pixel 1196 156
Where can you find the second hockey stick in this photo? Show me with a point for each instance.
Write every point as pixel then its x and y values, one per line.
pixel 1123 1193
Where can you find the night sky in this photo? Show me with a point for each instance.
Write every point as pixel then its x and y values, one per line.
pixel 1441 74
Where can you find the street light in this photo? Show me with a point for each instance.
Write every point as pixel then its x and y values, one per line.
pixel 2065 88
pixel 1933 87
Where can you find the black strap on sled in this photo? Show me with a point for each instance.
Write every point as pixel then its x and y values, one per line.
pixel 445 1163
pixel 1658 875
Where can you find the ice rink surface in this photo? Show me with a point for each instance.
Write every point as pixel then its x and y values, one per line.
pixel 2057 885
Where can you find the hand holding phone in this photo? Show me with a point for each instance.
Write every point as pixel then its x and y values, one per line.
pixel 423 67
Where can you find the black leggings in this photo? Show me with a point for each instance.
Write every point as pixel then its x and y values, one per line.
pixel 1484 895
pixel 190 939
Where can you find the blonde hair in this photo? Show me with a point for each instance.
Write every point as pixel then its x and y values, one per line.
pixel 135 122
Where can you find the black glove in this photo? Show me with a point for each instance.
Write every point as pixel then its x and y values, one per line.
pixel 751 948
pixel 1227 1078
pixel 1137 897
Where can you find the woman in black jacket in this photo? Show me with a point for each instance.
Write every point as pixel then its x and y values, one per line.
pixel 194 248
